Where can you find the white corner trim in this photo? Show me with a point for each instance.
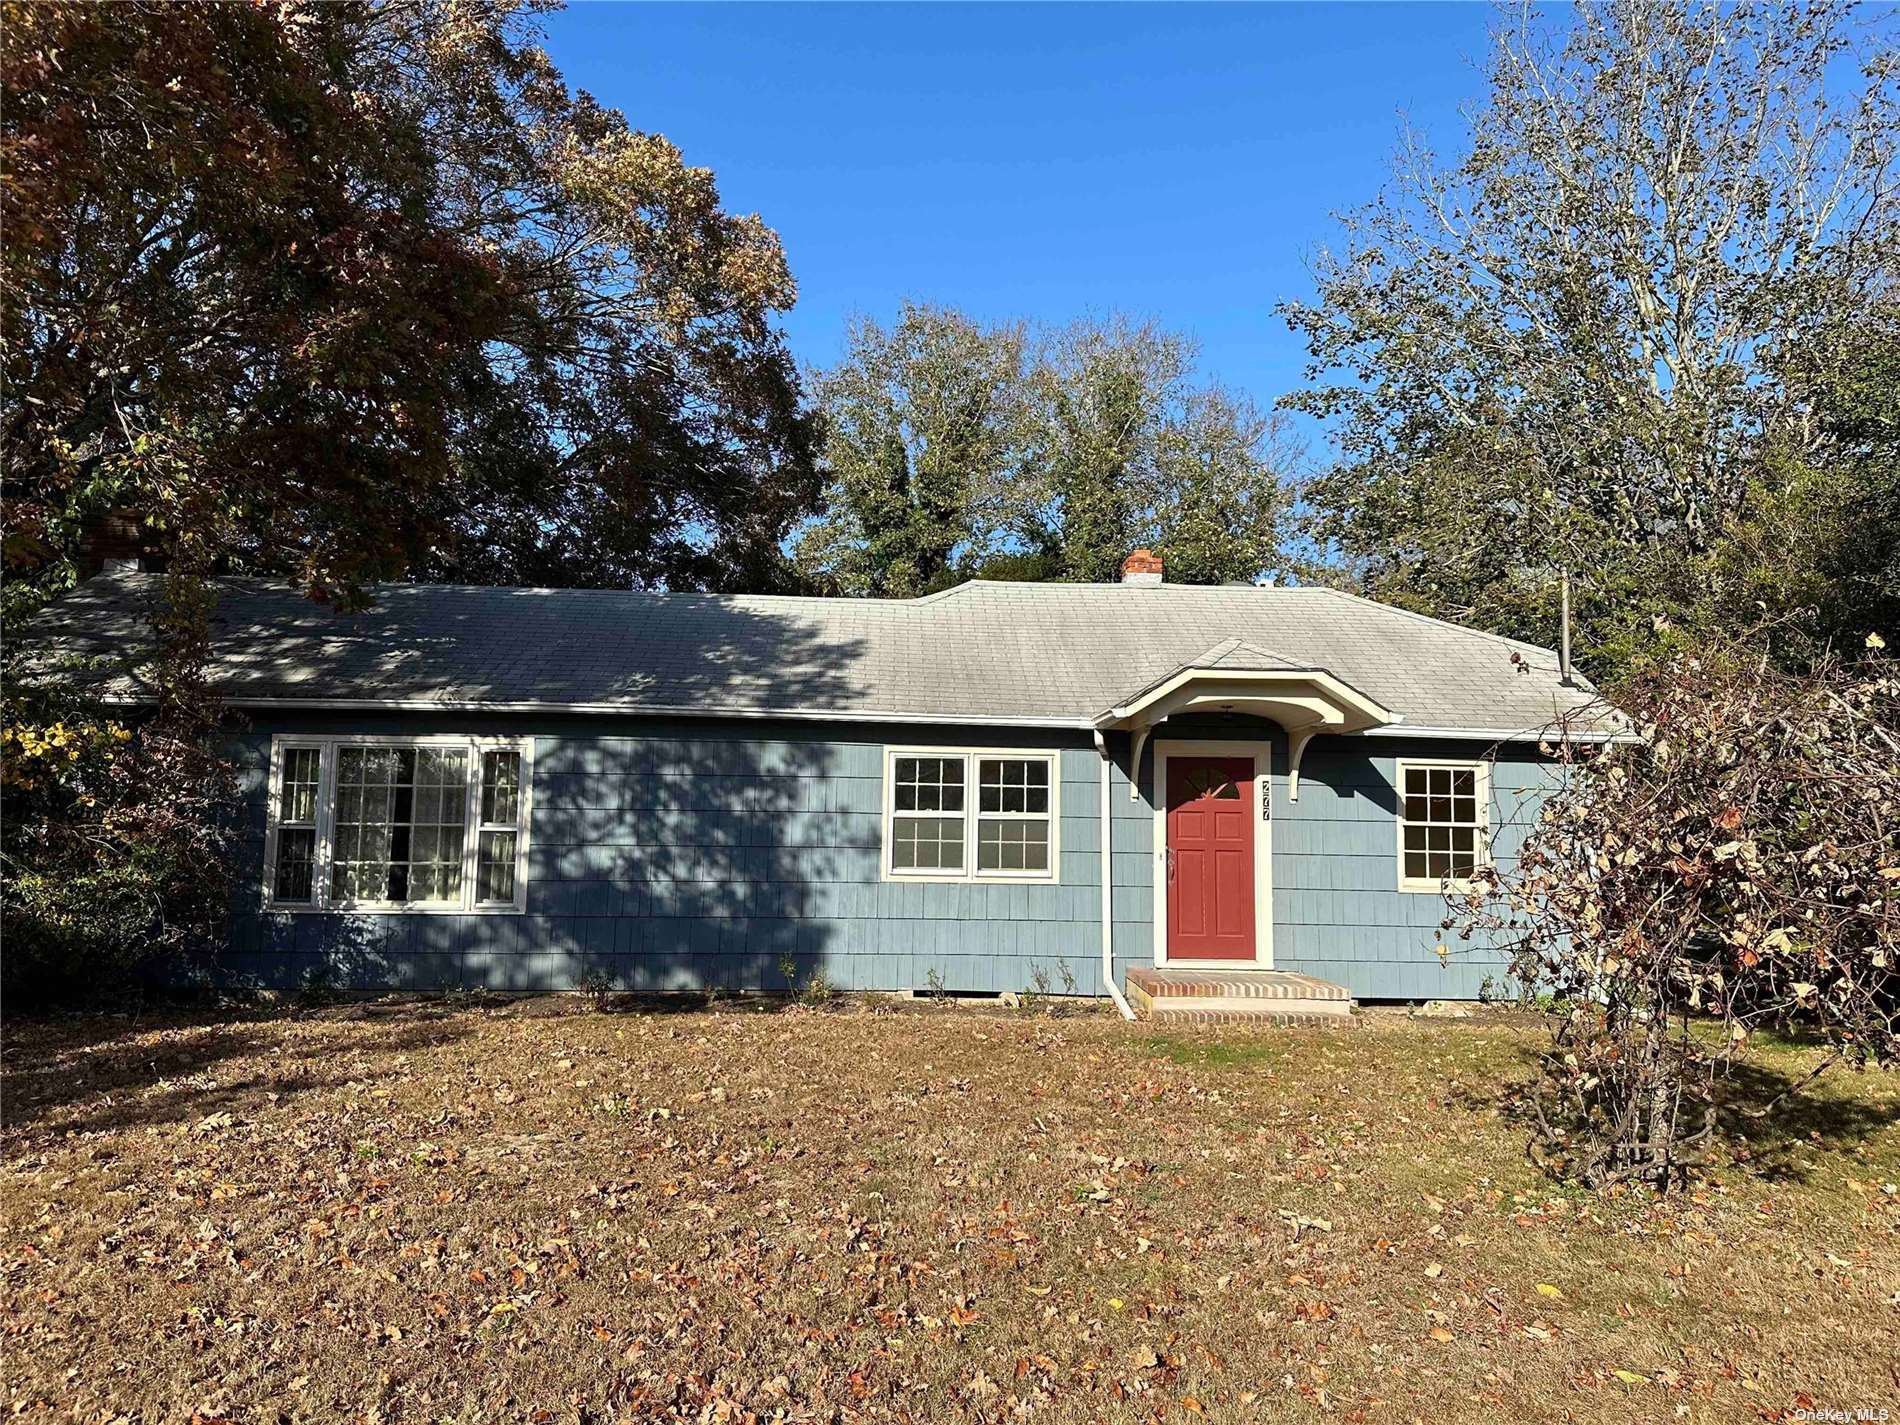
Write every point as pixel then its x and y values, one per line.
pixel 1261 752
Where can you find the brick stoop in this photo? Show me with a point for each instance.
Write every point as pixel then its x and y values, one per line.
pixel 1237 996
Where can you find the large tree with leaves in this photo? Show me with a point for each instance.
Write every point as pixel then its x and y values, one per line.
pixel 1817 540
pixel 1127 449
pixel 1592 340
pixel 337 292
pixel 356 290
pixel 960 448
pixel 924 423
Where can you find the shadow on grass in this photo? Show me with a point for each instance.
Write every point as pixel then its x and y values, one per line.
pixel 1820 1116
pixel 129 1069
pixel 1764 1112
pixel 120 1070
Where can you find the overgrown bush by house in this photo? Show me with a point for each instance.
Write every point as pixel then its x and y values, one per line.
pixel 114 847
pixel 1738 870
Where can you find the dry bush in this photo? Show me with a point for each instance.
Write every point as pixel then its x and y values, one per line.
pixel 1736 870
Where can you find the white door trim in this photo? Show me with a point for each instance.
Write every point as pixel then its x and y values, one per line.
pixel 1261 752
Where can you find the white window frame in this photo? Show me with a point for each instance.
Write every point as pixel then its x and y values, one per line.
pixel 327 746
pixel 969 875
pixel 1481 789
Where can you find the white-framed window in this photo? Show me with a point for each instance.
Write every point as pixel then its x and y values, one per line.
pixel 398 823
pixel 970 814
pixel 1444 823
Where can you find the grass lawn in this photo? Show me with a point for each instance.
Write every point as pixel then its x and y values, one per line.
pixel 536 1211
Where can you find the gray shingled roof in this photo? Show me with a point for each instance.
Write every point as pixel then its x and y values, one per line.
pixel 1242 656
pixel 982 652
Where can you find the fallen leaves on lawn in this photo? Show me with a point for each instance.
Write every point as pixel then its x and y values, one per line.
pixel 469 1213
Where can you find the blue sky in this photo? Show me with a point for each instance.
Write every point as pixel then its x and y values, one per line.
pixel 1174 161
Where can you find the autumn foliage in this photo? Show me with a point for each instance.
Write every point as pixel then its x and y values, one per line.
pixel 115 847
pixel 345 292
pixel 339 293
pixel 1736 870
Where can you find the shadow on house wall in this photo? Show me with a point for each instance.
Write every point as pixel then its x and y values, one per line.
pixel 668 851
pixel 664 854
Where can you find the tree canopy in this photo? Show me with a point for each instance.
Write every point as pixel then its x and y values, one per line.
pixel 359 290
pixel 1621 330
pixel 957 448
pixel 923 431
pixel 338 292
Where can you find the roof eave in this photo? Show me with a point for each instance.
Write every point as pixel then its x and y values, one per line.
pixel 1329 700
pixel 698 711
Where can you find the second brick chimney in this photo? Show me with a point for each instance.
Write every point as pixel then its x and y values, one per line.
pixel 1142 567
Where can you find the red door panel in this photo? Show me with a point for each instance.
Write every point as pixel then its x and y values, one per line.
pixel 1210 861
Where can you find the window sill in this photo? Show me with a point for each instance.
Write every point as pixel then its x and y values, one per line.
pixel 984 878
pixel 1436 888
pixel 360 908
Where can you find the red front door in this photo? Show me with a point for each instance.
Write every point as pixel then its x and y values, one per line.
pixel 1209 864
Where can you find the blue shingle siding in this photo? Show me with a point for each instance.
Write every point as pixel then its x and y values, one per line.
pixel 1338 913
pixel 675 855
pixel 683 855
pixel 1336 873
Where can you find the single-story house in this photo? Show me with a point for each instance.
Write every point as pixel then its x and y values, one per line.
pixel 999 787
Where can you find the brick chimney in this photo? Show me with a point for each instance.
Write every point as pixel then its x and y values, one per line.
pixel 1142 567
pixel 114 542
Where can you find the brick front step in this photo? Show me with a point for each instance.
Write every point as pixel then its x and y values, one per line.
pixel 1237 996
pixel 1175 1014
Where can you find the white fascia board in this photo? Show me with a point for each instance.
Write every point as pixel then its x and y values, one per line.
pixel 588 709
pixel 1492 734
pixel 699 711
pixel 1340 692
